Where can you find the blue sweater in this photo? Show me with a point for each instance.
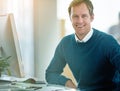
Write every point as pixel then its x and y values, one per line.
pixel 93 63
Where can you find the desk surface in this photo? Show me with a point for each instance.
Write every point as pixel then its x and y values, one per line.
pixel 33 87
pixel 13 85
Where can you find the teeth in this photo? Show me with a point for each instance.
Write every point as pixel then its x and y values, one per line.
pixel 79 26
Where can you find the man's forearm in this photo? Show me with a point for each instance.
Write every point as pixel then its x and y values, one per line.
pixel 70 84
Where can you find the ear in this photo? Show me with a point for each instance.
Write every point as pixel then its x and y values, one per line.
pixel 92 17
pixel 70 17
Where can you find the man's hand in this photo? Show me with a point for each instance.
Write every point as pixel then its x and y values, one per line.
pixel 70 84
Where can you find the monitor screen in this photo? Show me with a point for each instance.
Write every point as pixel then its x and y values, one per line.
pixel 9 45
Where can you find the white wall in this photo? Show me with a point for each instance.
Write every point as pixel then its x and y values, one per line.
pixel 46 34
pixel 23 14
pixel 106 13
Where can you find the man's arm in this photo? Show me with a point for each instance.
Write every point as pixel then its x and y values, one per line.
pixel 70 84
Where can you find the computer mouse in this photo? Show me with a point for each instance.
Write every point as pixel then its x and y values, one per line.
pixel 30 80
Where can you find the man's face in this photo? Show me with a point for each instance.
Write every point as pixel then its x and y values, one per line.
pixel 81 20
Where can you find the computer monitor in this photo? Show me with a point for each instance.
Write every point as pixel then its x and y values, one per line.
pixel 9 45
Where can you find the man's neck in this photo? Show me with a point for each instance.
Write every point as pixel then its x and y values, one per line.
pixel 84 38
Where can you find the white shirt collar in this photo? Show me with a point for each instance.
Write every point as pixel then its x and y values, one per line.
pixel 86 38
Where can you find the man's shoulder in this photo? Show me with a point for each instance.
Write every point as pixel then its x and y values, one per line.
pixel 67 37
pixel 99 32
pixel 102 35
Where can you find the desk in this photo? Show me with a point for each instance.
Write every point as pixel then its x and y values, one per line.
pixel 21 86
pixel 33 87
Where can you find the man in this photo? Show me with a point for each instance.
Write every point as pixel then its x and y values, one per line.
pixel 92 56
pixel 115 30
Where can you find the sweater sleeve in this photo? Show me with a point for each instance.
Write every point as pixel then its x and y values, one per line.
pixel 114 53
pixel 55 68
pixel 112 49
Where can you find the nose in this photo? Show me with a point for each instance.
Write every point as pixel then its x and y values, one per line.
pixel 80 20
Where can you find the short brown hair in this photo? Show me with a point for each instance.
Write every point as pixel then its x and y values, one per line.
pixel 78 2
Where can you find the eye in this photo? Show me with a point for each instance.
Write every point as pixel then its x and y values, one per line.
pixel 74 16
pixel 84 16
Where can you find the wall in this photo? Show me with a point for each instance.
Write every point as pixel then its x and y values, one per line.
pixel 46 34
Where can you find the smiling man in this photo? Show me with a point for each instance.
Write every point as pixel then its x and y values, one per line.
pixel 93 56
